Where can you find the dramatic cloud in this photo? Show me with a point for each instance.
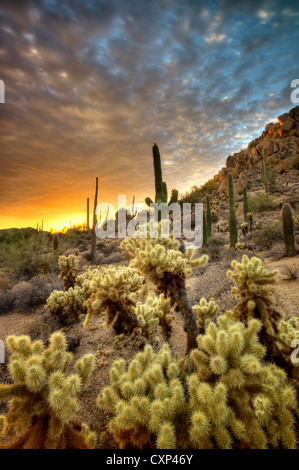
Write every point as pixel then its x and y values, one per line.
pixel 89 86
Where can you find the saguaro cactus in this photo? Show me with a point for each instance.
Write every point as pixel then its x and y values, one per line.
pixel 268 175
pixel 209 218
pixel 55 241
pixel 233 231
pixel 288 229
pixel 245 204
pixel 93 240
pixel 160 185
pixel 204 229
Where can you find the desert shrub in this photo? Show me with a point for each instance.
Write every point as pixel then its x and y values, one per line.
pixel 277 251
pixel 267 236
pixel 26 254
pixel 6 300
pixel 26 295
pixel 213 248
pixel 261 202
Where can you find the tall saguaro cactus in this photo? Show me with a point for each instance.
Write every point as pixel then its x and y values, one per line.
pixel 288 229
pixel 209 218
pixel 160 185
pixel 87 215
pixel 204 229
pixel 245 204
pixel 93 240
pixel 268 175
pixel 233 231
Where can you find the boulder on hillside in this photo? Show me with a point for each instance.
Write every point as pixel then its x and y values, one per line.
pixel 284 165
pixel 286 123
pixel 294 113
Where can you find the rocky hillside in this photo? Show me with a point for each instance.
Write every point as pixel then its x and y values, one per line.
pixel 280 142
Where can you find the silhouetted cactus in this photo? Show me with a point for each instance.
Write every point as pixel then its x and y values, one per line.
pixel 55 241
pixel 288 229
pixel 233 230
pixel 160 185
pixel 87 215
pixel 94 223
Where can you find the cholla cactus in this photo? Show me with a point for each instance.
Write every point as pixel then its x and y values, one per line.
pixel 250 216
pixel 224 395
pixel 240 246
pixel 205 311
pixel 154 312
pixel 167 267
pixel 147 400
pixel 42 398
pixel 68 270
pixel 112 292
pixel 255 291
pixel 244 228
pixel 296 221
pixel 235 396
pixel 65 307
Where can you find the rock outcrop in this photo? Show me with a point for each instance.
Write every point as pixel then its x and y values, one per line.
pixel 280 144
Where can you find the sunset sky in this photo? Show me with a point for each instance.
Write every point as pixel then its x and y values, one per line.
pixel 91 85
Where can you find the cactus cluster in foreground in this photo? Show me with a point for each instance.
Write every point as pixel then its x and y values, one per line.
pixel 42 398
pixel 221 396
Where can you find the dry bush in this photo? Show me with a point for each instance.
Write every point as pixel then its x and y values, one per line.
pixel 265 237
pixel 214 247
pixel 26 295
pixel 291 273
pixel 277 251
pixel 6 301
